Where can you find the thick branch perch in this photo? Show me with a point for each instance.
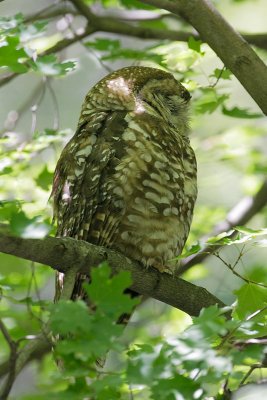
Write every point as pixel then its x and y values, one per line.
pixel 232 49
pixel 63 254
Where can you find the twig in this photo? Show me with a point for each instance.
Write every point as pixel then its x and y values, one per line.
pixel 36 105
pixel 34 350
pixel 50 12
pixel 232 269
pixel 55 105
pixel 218 78
pixel 251 369
pixel 239 215
pixel 11 362
pixel 27 103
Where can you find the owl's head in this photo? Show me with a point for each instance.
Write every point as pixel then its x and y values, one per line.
pixel 142 89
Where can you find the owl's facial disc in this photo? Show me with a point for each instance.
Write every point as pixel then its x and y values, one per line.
pixel 169 99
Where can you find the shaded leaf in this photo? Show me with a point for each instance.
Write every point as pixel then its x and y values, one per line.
pixel 223 73
pixel 69 317
pixel 8 208
pixel 209 101
pixel 107 292
pixel 168 389
pixel 44 179
pixel 237 112
pixel 195 44
pixel 104 44
pixel 26 227
pixel 136 4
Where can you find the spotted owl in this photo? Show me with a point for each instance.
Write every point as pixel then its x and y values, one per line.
pixel 127 178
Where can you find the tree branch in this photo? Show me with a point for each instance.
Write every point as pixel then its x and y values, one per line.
pixel 118 26
pixel 39 346
pixel 65 254
pixel 59 46
pixel 232 49
pixel 240 214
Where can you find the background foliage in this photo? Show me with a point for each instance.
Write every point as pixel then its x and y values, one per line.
pixel 46 70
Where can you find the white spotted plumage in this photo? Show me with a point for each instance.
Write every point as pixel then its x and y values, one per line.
pixel 131 164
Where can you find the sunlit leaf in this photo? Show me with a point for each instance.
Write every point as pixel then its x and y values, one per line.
pixel 251 232
pixel 250 298
pixel 12 55
pixel 49 66
pixel 8 24
pixel 192 250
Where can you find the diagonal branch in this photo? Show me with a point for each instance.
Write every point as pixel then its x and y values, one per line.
pixel 59 46
pixel 229 45
pixel 65 254
pixel 118 26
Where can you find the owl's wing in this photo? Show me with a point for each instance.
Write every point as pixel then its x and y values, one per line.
pixel 82 202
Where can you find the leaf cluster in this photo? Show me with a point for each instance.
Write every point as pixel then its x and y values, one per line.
pixel 205 360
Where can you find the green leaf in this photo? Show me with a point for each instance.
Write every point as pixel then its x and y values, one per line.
pixel 69 317
pixel 195 44
pixel 49 66
pixel 44 179
pixel 250 298
pixel 209 101
pixel 107 292
pixel 8 208
pixel 114 51
pixel 32 31
pixel 222 238
pixel 237 112
pixel 136 5
pixel 12 56
pixel 169 389
pixel 9 24
pixel 251 232
pixel 104 44
pixel 211 321
pixel 154 24
pixel 25 227
pixel 223 73
pixel 196 248
pixel 133 54
pixel 244 235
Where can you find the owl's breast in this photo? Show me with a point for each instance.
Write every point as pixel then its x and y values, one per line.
pixel 155 182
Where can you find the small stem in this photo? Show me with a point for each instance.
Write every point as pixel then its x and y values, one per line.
pixel 11 362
